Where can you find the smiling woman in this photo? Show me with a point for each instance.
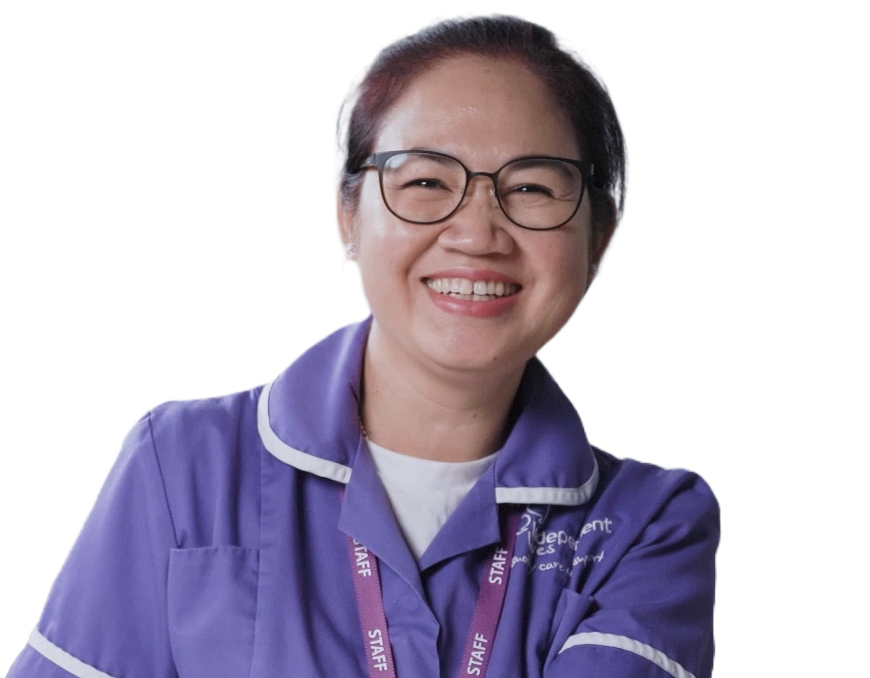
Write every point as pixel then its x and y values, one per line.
pixel 435 353
pixel 414 495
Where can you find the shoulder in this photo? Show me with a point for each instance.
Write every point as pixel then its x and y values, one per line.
pixel 652 499
pixel 208 453
pixel 204 418
pixel 206 435
pixel 647 489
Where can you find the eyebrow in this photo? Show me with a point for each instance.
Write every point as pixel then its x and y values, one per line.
pixel 438 156
pixel 443 158
pixel 536 160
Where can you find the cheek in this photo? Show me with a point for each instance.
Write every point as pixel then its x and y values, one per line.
pixel 564 263
pixel 571 286
pixel 387 250
pixel 371 213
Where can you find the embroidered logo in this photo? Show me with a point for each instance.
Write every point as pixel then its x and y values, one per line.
pixel 556 549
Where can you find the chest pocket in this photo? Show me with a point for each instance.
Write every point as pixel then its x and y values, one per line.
pixel 212 610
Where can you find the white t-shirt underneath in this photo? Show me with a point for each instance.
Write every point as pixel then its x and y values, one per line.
pixel 424 492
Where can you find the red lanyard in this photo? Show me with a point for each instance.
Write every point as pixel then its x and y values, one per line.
pixel 484 623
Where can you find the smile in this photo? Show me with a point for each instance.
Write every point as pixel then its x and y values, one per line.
pixel 472 290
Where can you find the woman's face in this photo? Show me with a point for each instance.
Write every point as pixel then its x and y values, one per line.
pixel 483 112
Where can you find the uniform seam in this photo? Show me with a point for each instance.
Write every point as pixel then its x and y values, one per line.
pixel 162 481
pixel 261 455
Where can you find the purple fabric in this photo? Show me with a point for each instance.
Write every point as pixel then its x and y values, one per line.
pixel 207 555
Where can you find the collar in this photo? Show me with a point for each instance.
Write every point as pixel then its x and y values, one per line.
pixel 308 419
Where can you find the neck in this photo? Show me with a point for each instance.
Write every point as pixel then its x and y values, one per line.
pixel 430 412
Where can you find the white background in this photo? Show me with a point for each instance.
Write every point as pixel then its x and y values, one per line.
pixel 796 371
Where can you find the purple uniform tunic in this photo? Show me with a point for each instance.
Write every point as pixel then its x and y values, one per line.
pixel 218 548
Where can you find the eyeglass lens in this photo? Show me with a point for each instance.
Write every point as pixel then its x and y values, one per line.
pixel 534 193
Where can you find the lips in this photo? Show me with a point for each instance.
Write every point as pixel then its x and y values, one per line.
pixel 475 293
pixel 476 290
pixel 474 274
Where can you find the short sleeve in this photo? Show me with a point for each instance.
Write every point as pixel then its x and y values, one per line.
pixel 106 613
pixel 652 617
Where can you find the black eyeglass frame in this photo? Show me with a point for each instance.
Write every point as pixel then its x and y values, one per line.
pixel 379 161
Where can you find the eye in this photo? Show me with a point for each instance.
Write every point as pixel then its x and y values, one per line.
pixel 424 182
pixel 532 189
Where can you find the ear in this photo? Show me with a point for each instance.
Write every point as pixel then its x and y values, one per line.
pixel 346 221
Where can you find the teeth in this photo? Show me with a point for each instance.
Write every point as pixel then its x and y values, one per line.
pixel 477 290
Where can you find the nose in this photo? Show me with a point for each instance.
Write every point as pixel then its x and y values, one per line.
pixel 478 227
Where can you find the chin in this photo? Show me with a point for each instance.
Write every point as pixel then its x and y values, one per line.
pixel 466 357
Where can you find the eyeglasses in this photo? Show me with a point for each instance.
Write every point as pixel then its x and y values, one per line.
pixel 534 192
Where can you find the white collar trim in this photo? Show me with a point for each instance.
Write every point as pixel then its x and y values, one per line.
pixel 290 455
pixel 555 496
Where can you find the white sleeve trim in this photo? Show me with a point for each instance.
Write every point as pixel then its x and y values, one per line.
pixel 290 455
pixel 624 643
pixel 63 659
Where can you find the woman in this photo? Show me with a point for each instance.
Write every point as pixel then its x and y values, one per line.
pixel 413 496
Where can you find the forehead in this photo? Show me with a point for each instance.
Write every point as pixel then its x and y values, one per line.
pixel 483 111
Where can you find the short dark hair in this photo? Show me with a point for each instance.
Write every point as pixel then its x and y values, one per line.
pixel 578 91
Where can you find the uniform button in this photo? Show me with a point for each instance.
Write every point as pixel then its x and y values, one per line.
pixel 411 603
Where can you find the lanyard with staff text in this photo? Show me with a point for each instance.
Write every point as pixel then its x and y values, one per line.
pixel 376 638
